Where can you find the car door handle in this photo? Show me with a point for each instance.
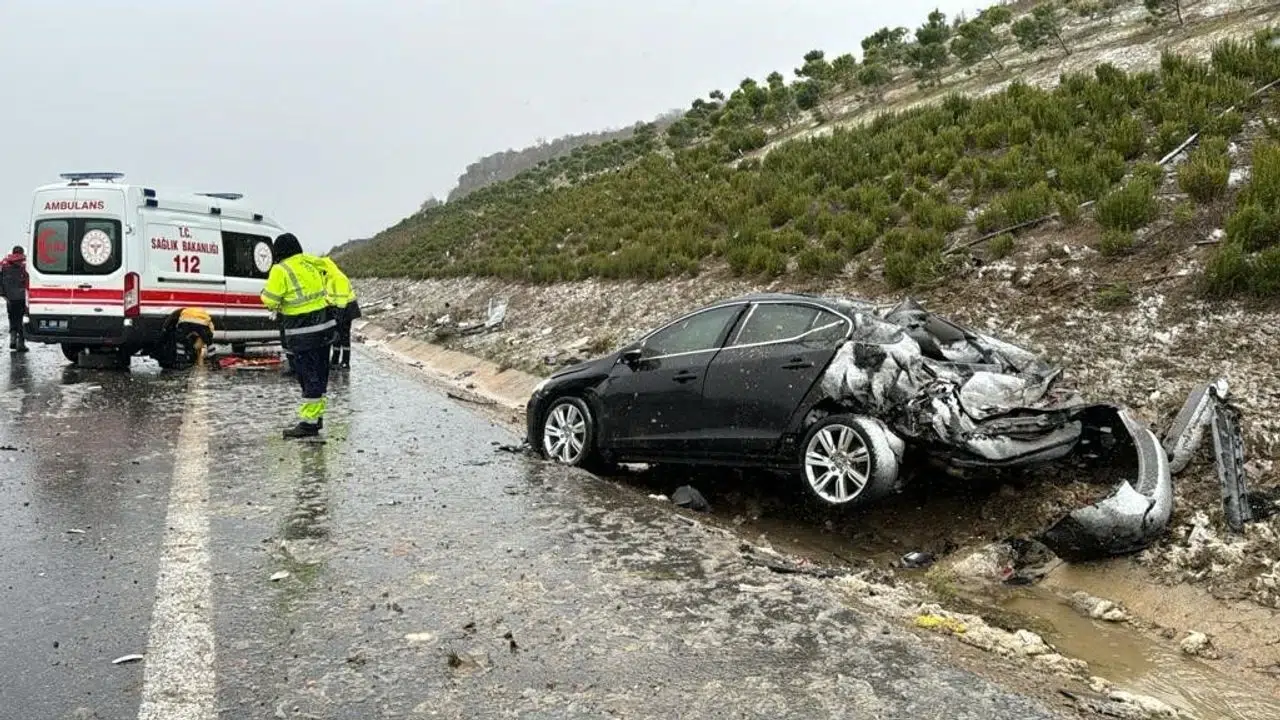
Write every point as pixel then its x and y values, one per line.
pixel 797 363
pixel 86 286
pixel 685 376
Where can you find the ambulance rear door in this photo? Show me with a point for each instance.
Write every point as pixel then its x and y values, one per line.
pixel 77 261
pixel 184 266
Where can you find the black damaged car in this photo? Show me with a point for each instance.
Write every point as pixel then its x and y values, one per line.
pixel 839 391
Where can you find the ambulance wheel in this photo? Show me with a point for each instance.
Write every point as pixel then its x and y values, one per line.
pixel 71 352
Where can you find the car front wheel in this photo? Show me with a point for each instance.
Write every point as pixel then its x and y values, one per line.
pixel 848 461
pixel 568 432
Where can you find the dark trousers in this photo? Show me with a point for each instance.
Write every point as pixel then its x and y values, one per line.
pixel 16 308
pixel 342 343
pixel 312 365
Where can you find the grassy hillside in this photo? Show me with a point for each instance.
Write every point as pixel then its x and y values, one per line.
pixel 894 192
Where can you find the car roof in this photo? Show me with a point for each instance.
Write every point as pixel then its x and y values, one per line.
pixel 838 304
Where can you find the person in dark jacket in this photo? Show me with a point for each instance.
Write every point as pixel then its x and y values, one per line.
pixel 13 285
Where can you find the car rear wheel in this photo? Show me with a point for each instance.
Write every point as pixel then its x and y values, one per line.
pixel 568 432
pixel 848 461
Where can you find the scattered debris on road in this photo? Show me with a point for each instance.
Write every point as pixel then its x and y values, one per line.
pixel 686 496
pixel 916 559
pixel 126 659
pixel 277 577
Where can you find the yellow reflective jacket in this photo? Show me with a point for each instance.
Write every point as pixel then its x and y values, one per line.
pixel 295 288
pixel 337 285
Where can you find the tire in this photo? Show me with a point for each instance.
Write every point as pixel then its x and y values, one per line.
pixel 848 460
pixel 71 352
pixel 568 435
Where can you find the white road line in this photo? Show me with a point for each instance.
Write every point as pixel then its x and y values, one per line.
pixel 179 678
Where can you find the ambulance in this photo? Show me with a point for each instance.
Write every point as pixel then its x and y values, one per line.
pixel 113 266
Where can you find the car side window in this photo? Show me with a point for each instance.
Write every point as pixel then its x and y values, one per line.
pixel 775 322
pixel 697 332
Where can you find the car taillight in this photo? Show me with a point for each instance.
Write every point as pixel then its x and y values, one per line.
pixel 132 295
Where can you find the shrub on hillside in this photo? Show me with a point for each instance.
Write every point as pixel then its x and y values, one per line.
pixel 1116 242
pixel 1129 207
pixel 820 262
pixel 1001 246
pixel 1204 175
pixel 1016 207
pixel 1228 271
pixel 1253 227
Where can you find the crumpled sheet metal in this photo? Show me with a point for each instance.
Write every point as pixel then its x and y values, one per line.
pixel 937 383
pixel 1130 517
pixel 985 402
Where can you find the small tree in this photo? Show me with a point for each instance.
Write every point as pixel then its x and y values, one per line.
pixel 844 71
pixel 929 54
pixel 874 76
pixel 885 47
pixel 1159 9
pixel 1034 31
pixel 780 110
pixel 817 82
pixel 974 41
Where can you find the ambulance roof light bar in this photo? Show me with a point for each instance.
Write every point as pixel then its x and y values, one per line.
pixel 223 195
pixel 81 176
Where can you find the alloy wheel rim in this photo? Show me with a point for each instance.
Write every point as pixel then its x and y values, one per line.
pixel 837 464
pixel 565 435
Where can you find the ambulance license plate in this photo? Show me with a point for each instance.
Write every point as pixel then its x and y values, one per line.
pixel 53 325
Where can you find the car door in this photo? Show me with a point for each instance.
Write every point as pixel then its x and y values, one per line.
pixel 756 383
pixel 652 405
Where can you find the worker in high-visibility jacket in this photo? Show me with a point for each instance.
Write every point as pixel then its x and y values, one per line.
pixel 295 290
pixel 342 298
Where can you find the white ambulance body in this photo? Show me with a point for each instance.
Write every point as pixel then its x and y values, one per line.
pixel 113 264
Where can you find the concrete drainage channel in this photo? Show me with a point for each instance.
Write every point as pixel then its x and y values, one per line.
pixel 1124 641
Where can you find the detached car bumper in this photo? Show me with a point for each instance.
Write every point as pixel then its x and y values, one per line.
pixel 1139 508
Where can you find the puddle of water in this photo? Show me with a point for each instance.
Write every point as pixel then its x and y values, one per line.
pixel 1144 666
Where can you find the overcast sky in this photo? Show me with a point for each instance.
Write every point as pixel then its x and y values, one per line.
pixel 340 117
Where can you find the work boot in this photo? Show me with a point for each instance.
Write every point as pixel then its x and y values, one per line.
pixel 346 358
pixel 13 342
pixel 22 344
pixel 335 356
pixel 302 430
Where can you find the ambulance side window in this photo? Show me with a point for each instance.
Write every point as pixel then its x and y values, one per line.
pixel 244 255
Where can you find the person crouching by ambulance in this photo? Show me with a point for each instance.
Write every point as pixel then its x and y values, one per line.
pixel 295 290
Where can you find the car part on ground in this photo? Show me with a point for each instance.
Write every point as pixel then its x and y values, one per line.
pixel 1228 446
pixel 1207 408
pixel 1139 508
pixel 1187 430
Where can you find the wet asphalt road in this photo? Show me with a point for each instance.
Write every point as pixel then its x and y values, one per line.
pixel 428 574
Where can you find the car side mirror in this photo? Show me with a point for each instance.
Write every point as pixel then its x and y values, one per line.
pixel 631 356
